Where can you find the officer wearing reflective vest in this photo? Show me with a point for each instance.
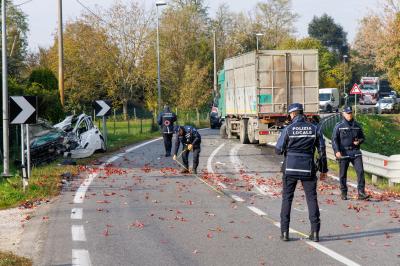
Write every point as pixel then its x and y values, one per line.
pixel 191 140
pixel 346 140
pixel 166 121
pixel 298 142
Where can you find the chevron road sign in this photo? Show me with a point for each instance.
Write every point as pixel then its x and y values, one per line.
pixel 102 108
pixel 23 109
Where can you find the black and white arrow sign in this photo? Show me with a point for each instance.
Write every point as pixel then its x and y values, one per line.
pixel 102 108
pixel 23 109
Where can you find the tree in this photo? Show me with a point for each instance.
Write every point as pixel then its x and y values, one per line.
pixel 275 19
pixel 388 58
pixel 17 40
pixel 128 28
pixel 366 44
pixel 87 64
pixel 329 33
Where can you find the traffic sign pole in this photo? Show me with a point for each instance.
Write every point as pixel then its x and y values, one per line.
pixel 105 130
pixel 28 153
pixel 103 109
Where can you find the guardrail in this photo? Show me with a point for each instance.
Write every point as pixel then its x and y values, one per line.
pixel 376 164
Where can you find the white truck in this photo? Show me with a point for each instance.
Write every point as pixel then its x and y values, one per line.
pixel 329 100
pixel 258 87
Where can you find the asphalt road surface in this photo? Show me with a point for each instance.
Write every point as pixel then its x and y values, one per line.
pixel 137 209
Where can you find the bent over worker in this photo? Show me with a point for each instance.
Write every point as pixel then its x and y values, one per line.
pixel 191 140
pixel 166 120
pixel 346 140
pixel 298 142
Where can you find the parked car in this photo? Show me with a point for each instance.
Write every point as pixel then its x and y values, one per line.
pixel 328 100
pixel 386 105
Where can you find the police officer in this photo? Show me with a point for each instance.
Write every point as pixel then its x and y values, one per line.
pixel 298 142
pixel 346 140
pixel 166 120
pixel 191 140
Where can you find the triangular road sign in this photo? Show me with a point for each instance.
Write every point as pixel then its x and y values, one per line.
pixel 355 90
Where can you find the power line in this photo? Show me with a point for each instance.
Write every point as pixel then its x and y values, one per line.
pixel 23 3
pixel 95 15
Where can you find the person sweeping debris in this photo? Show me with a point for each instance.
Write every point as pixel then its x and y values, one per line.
pixel 191 140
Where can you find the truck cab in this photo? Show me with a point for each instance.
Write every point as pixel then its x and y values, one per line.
pixel 328 100
pixel 370 90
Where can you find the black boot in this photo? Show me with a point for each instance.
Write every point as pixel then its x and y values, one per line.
pixel 285 236
pixel 314 236
pixel 343 196
pixel 185 171
pixel 194 171
pixel 363 196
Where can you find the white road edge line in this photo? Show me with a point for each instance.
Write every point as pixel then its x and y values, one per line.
pixel 80 257
pixel 76 213
pixel 211 157
pixel 78 233
pixel 81 192
pixel 237 198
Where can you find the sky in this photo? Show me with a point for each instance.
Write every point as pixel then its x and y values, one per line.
pixel 42 14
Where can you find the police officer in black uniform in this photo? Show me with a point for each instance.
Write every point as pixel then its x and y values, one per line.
pixel 298 142
pixel 166 120
pixel 191 140
pixel 346 140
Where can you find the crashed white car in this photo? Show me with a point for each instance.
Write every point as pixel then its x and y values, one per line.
pixel 83 137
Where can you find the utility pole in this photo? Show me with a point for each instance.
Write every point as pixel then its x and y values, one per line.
pixel 60 54
pixel 158 4
pixel 6 139
pixel 215 67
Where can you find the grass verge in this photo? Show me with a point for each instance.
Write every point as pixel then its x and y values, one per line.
pixel 46 180
pixel 9 259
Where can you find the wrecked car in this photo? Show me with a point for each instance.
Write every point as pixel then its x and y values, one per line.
pixel 82 137
pixel 47 142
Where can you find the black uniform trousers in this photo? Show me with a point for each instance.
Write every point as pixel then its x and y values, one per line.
pixel 196 155
pixel 357 163
pixel 168 143
pixel 310 189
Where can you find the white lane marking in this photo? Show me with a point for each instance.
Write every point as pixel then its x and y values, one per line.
pixel 323 249
pixel 112 159
pixel 78 233
pixel 237 198
pixel 141 145
pixel 80 257
pixel 211 157
pixel 76 213
pixel 81 192
pixel 332 254
pixel 257 211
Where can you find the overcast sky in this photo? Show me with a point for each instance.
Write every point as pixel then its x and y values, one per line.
pixel 42 14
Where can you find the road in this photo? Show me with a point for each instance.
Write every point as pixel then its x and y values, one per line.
pixel 137 209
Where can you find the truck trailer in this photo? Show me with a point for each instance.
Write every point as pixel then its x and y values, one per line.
pixel 256 88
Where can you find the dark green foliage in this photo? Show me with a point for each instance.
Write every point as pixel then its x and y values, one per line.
pixel 329 33
pixel 45 77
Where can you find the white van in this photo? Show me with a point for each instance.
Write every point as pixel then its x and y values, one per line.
pixel 329 100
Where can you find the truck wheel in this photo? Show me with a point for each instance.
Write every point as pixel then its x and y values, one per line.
pixel 222 131
pixel 251 134
pixel 244 138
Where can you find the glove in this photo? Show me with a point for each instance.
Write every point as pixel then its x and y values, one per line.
pixel 190 147
pixel 174 158
pixel 322 176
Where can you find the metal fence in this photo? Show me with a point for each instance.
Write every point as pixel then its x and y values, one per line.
pixel 376 164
